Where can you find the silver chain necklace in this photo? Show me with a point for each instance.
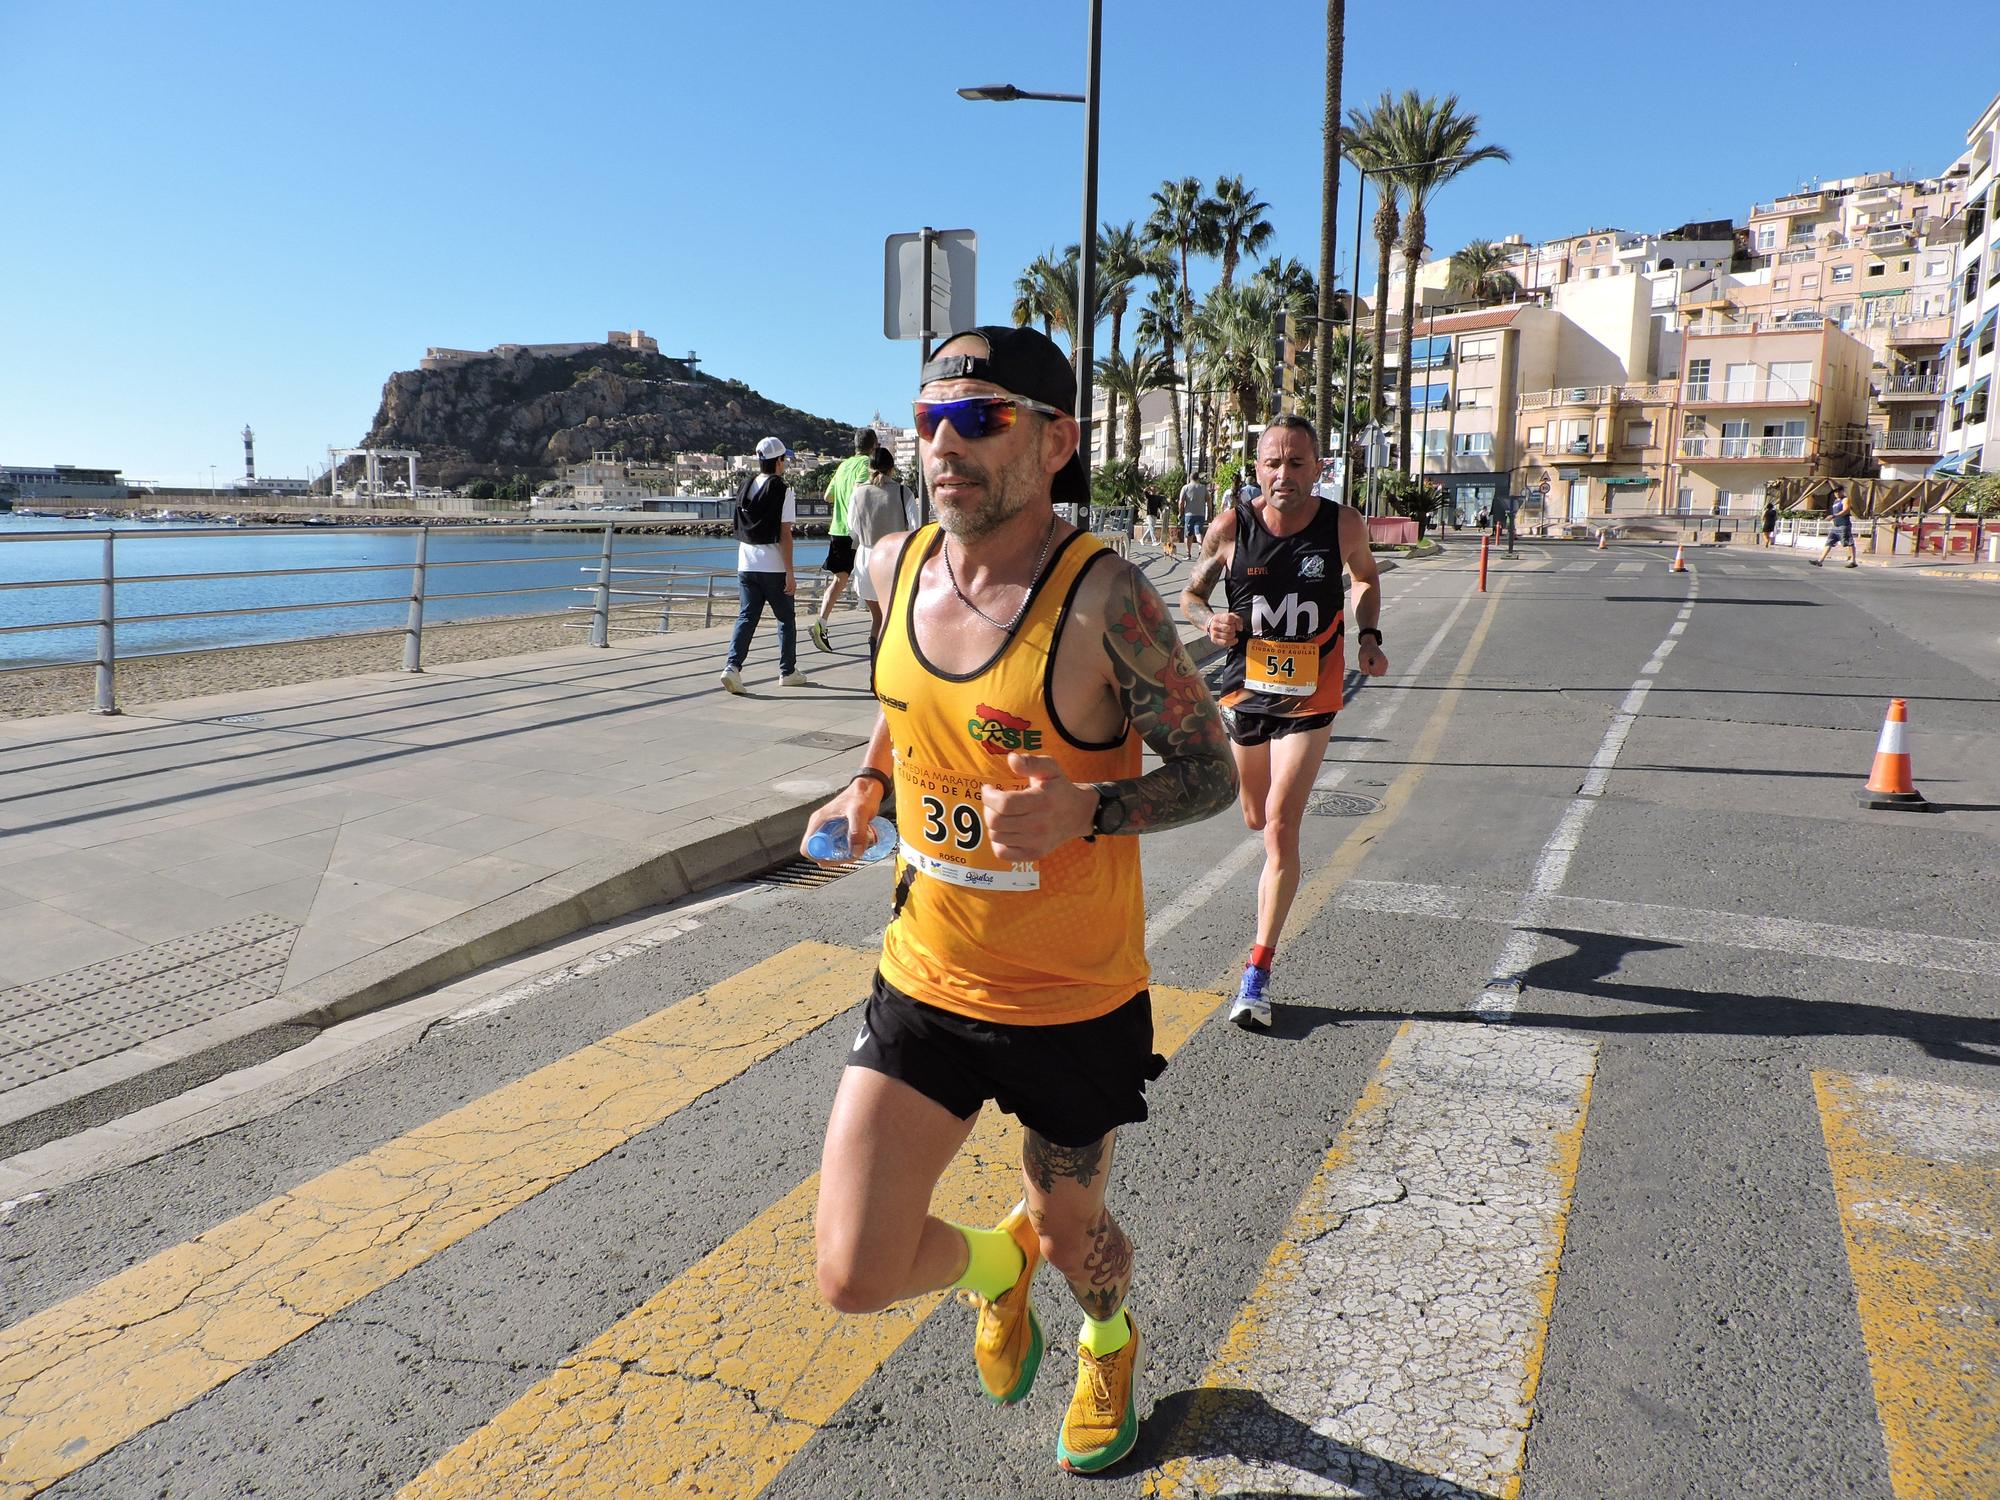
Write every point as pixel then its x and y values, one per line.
pixel 1007 626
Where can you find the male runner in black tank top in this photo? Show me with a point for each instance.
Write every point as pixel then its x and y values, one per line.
pixel 1282 553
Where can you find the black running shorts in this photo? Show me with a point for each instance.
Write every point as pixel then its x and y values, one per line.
pixel 1072 1084
pixel 840 554
pixel 1261 729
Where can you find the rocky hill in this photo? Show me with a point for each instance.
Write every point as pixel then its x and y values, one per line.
pixel 518 413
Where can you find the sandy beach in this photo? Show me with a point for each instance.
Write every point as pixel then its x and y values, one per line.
pixel 161 679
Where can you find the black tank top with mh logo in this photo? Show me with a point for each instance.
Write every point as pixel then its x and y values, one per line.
pixel 1290 594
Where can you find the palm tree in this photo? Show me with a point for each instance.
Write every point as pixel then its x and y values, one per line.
pixel 1160 327
pixel 1122 258
pixel 1130 380
pixel 1029 306
pixel 1233 325
pixel 1288 287
pixel 1238 223
pixel 1371 145
pixel 1054 277
pixel 1182 224
pixel 1434 143
pixel 1479 273
pixel 1329 212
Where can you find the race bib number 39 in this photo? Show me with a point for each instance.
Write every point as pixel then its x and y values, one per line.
pixel 941 824
pixel 1289 669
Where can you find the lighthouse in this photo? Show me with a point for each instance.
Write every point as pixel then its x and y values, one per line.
pixel 249 458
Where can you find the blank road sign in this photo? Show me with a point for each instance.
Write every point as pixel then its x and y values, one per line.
pixel 954 256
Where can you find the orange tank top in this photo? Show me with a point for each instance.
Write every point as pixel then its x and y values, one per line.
pixel 1020 944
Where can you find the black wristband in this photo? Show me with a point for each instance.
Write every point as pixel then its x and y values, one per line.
pixel 1370 630
pixel 871 774
pixel 1106 800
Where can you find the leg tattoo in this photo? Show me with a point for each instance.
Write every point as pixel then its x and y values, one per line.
pixel 1107 1272
pixel 1045 1161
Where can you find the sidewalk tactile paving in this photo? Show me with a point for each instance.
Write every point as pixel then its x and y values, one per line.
pixel 73 1018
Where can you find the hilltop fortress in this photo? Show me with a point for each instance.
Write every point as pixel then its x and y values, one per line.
pixel 636 340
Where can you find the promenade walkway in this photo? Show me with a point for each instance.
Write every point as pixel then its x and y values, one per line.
pixel 200 884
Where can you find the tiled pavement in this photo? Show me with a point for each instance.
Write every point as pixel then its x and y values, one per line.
pixel 191 873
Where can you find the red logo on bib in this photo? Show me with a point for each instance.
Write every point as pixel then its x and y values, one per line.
pixel 1000 733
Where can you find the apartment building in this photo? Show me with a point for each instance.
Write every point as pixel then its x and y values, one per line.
pixel 1764 403
pixel 1970 443
pixel 1467 374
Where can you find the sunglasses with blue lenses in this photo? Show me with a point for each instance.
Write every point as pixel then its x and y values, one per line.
pixel 976 417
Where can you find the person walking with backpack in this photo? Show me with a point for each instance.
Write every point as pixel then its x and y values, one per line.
pixel 880 508
pixel 765 511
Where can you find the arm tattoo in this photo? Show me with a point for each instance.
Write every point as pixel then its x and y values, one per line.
pixel 1170 706
pixel 1202 579
pixel 1044 1161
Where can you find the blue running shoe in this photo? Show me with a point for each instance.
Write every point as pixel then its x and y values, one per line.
pixel 1252 1008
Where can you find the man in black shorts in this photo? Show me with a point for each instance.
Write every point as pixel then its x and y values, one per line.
pixel 1842 532
pixel 839 534
pixel 1282 554
pixel 1023 667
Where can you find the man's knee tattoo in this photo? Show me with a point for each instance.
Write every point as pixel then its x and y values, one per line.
pixel 1045 1161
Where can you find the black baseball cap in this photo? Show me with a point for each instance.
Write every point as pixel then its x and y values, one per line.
pixel 1028 363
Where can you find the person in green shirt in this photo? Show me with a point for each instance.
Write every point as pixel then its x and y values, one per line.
pixel 839 539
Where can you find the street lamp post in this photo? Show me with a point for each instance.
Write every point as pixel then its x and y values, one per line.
pixel 1084 335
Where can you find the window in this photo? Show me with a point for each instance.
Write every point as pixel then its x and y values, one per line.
pixel 1791 379
pixel 1782 284
pixel 1684 500
pixel 1429 397
pixel 1697 380
pixel 1471 396
pixel 1434 442
pixel 1842 273
pixel 1935 267
pixel 1878 269
pixel 1475 444
pixel 1740 383
pixel 1573 435
pixel 1767 237
pixel 1534 437
pixel 1478 348
pixel 1808 280
pixel 1638 434
pixel 1429 354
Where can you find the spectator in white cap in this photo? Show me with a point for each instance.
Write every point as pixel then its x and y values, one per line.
pixel 765 511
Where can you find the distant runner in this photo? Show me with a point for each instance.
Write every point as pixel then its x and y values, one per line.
pixel 1842 532
pixel 1280 556
pixel 1021 665
pixel 839 534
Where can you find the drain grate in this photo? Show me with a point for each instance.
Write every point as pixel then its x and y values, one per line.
pixel 803 874
pixel 1330 804
pixel 820 739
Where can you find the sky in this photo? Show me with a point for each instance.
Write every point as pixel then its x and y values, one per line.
pixel 225 212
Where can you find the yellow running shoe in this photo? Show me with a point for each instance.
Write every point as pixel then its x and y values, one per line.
pixel 1102 1423
pixel 1008 1342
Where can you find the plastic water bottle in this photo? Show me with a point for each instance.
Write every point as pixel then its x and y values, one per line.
pixel 830 842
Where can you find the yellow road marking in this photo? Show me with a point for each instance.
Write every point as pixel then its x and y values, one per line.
pixel 90 1372
pixel 1916 1172
pixel 712 1385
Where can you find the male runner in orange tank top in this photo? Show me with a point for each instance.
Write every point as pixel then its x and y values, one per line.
pixel 1284 627
pixel 1021 663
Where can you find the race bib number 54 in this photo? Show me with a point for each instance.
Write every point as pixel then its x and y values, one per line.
pixel 941 825
pixel 1290 669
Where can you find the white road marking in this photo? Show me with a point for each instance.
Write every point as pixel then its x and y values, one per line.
pixel 1629 567
pixel 1503 989
pixel 1684 925
pixel 1395 1336
pixel 1580 567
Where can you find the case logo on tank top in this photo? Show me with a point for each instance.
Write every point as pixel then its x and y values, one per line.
pixel 1000 733
pixel 1290 616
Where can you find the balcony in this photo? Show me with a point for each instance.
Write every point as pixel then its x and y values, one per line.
pixel 1765 449
pixel 1906 386
pixel 1657 393
pixel 1919 328
pixel 1797 203
pixel 1895 237
pixel 1913 440
pixel 1797 257
pixel 1761 390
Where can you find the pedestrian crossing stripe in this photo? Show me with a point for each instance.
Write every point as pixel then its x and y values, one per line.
pixel 1916 1174
pixel 85 1375
pixel 713 1384
pixel 1629 567
pixel 1394 1342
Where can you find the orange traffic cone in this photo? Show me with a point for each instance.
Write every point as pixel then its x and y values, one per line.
pixel 1890 785
pixel 1601 542
pixel 1680 562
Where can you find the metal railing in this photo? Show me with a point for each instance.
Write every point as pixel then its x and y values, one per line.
pixel 1914 385
pixel 1761 390
pixel 417 596
pixel 1743 447
pixel 1907 440
pixel 1598 395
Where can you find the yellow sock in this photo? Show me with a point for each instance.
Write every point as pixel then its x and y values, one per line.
pixel 1108 1337
pixel 993 1261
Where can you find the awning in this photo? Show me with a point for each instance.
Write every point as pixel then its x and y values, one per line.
pixel 1986 323
pixel 1628 482
pixel 1887 291
pixel 1948 465
pixel 1978 387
